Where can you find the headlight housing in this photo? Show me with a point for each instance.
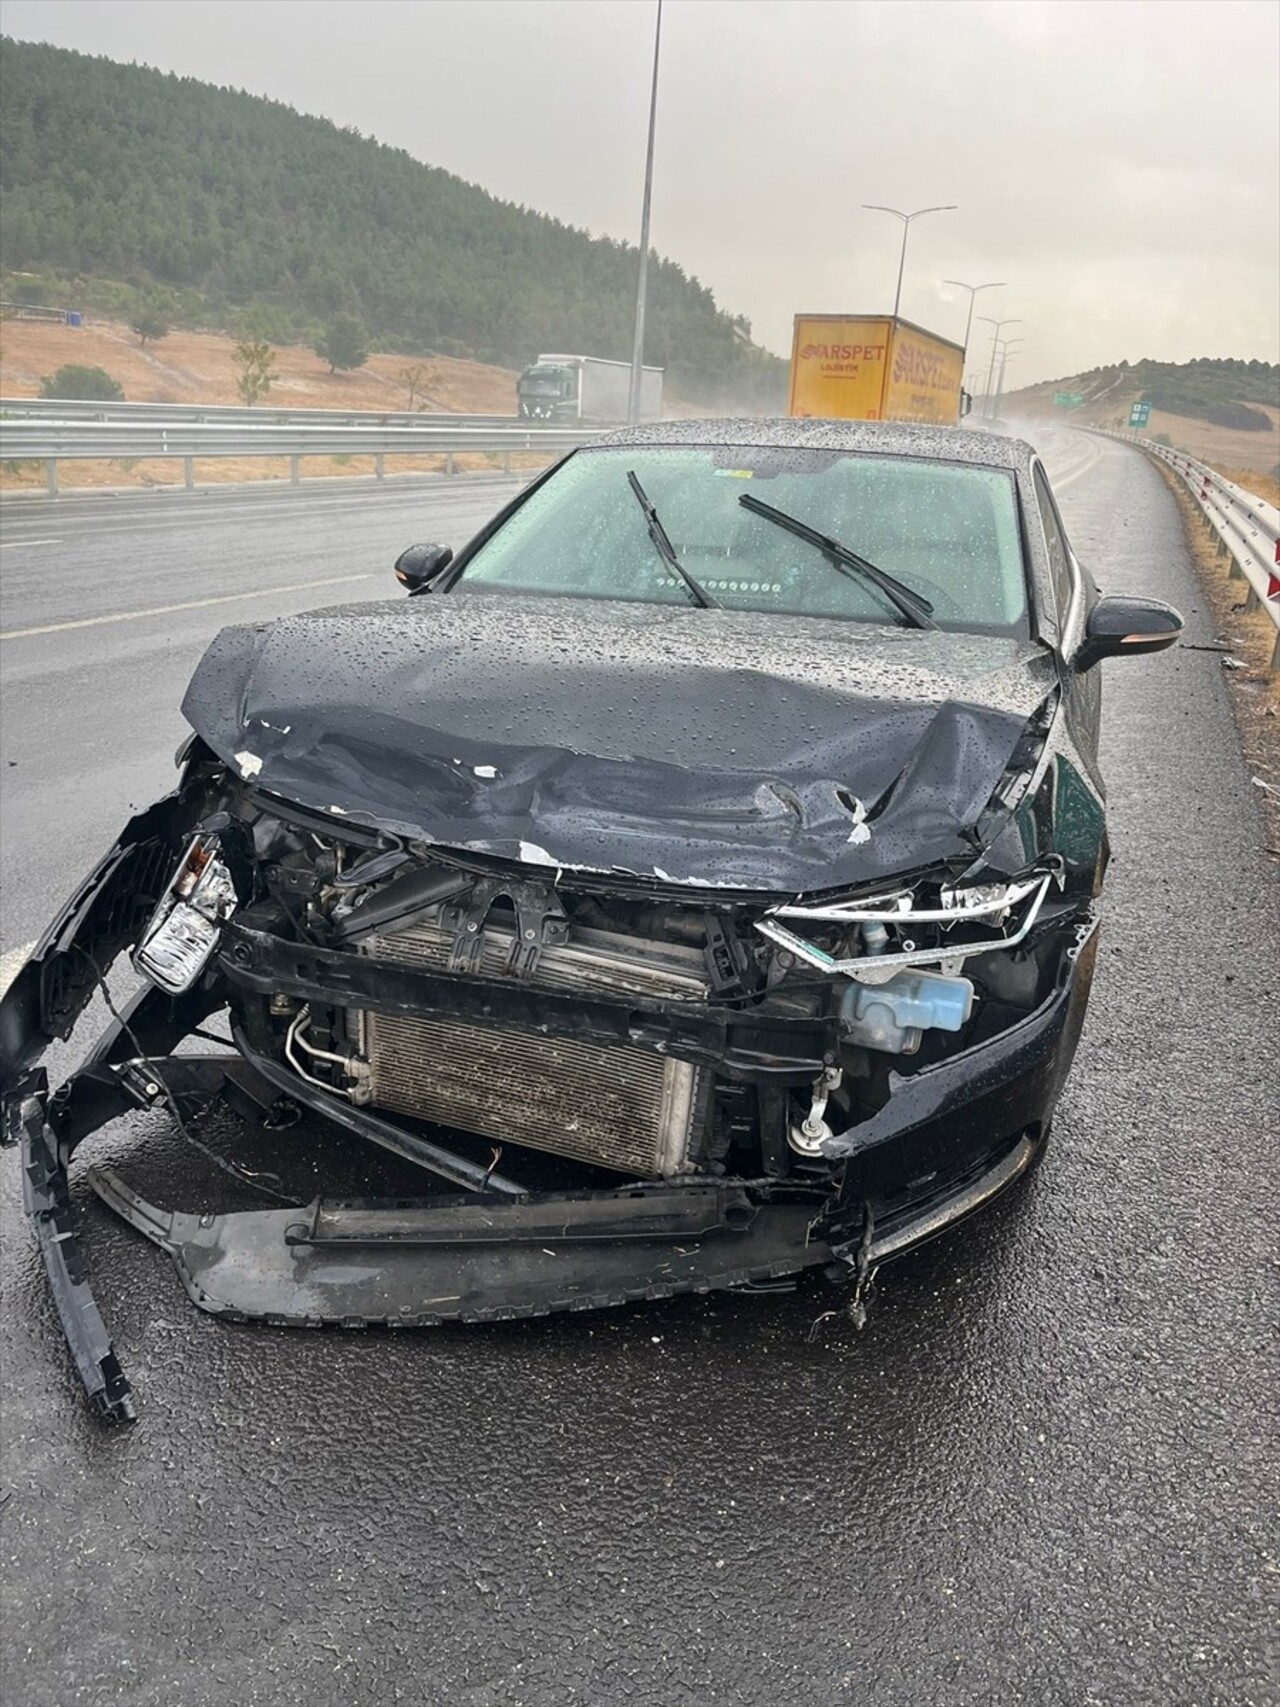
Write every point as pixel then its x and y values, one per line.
pixel 989 905
pixel 184 929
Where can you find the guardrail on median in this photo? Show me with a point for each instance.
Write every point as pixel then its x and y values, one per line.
pixel 64 409
pixel 52 442
pixel 1248 527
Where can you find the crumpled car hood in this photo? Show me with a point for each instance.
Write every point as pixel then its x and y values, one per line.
pixel 729 748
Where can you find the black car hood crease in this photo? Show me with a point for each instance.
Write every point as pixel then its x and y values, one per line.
pixel 736 749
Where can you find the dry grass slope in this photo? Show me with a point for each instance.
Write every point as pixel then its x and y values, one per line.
pixel 197 367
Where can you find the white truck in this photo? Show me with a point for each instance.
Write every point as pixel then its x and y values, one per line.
pixel 586 390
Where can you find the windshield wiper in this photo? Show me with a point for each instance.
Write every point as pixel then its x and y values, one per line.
pixel 667 551
pixel 912 605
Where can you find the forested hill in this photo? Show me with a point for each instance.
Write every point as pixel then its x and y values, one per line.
pixel 242 208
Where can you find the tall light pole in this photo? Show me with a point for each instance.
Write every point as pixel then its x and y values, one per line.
pixel 906 218
pixel 637 347
pixel 991 370
pixel 995 284
pixel 1011 348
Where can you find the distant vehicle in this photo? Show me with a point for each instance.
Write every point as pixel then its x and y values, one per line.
pixel 871 367
pixel 586 389
pixel 697 874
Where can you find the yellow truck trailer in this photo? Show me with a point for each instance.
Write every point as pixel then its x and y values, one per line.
pixel 870 367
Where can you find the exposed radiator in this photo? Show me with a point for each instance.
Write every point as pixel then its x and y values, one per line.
pixel 614 1107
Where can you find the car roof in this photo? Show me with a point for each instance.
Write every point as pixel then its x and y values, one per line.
pixel 884 438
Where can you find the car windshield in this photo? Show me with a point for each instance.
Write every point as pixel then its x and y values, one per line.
pixel 947 531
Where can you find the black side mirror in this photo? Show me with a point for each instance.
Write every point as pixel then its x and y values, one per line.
pixel 1119 628
pixel 419 565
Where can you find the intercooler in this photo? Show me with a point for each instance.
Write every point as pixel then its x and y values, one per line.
pixel 614 1107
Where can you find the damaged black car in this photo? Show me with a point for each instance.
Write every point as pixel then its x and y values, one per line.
pixel 694 878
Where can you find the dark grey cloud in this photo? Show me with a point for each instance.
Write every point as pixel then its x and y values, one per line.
pixel 1117 161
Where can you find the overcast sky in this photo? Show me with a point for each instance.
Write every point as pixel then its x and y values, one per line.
pixel 1116 161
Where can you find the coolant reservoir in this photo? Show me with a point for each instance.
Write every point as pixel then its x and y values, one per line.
pixel 894 1016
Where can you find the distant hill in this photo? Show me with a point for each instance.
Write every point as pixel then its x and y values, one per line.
pixel 1219 391
pixel 1222 410
pixel 116 177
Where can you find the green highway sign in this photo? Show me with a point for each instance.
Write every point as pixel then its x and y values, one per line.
pixel 1068 399
pixel 1139 414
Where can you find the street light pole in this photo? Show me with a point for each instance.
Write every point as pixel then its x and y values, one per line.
pixel 991 370
pixel 906 218
pixel 994 284
pixel 637 347
pixel 1010 349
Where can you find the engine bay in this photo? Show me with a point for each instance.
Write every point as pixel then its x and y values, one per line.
pixel 746 1037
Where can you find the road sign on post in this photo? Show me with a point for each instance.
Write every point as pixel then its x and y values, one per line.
pixel 1068 399
pixel 1139 414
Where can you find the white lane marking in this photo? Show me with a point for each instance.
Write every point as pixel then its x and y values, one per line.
pixel 1079 473
pixel 12 963
pixel 188 604
pixel 14 544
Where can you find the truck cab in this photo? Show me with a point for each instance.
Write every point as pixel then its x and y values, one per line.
pixel 548 391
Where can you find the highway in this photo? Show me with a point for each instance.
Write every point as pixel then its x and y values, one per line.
pixel 1045 1472
pixel 105 607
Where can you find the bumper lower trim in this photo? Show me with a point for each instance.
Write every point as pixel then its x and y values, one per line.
pixel 941 1215
pixel 264 1265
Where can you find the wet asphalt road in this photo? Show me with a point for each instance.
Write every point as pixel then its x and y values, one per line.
pixel 1043 1473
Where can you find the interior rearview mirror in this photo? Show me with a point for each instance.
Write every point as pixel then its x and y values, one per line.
pixel 418 565
pixel 1121 628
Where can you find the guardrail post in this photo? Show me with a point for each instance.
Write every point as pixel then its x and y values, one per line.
pixel 378 471
pixel 51 476
pixel 506 462
pixel 448 462
pixel 295 474
pixel 189 473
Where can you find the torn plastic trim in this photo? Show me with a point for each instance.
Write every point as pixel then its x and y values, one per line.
pixel 875 969
pixel 48 1129
pixel 102 917
pixel 46 1195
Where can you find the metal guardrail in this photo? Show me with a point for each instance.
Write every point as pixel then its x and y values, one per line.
pixel 33 311
pixel 62 409
pixel 52 442
pixel 1248 527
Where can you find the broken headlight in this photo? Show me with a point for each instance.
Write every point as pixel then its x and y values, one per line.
pixel 184 929
pixel 867 956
